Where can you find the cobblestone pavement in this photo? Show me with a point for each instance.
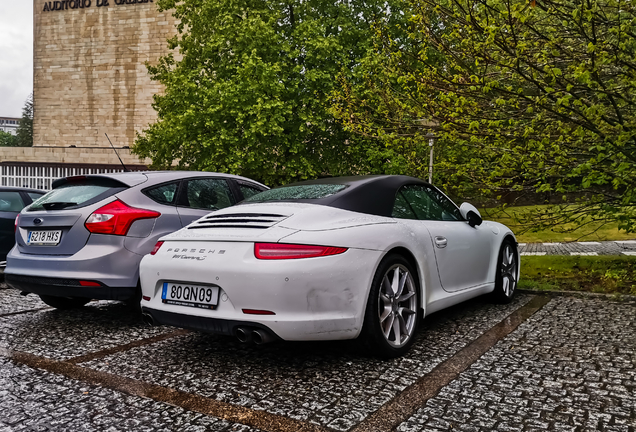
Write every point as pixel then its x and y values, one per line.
pixel 627 247
pixel 570 366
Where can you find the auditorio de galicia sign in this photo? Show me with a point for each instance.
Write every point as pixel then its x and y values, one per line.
pixel 82 4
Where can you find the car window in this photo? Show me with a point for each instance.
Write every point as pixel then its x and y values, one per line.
pixel 429 204
pixel 248 191
pixel 34 195
pixel 210 194
pixel 402 209
pixel 69 195
pixel 163 194
pixel 11 202
pixel 311 191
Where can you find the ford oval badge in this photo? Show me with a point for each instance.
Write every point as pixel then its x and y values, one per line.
pixel 37 221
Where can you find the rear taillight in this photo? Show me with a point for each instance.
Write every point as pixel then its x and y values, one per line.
pixel 274 251
pixel 15 227
pixel 156 248
pixel 116 218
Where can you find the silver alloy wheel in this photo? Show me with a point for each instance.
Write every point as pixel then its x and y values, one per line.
pixel 397 305
pixel 509 270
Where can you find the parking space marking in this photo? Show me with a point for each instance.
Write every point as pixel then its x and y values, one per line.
pixel 233 413
pixel 119 348
pixel 389 416
pixel 405 404
pixel 24 312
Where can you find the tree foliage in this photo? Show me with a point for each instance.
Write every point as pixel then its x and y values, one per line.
pixel 250 88
pixel 24 133
pixel 533 96
pixel 7 139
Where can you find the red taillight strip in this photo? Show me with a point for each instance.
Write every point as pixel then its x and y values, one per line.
pixel 273 251
pixel 258 312
pixel 89 283
pixel 156 248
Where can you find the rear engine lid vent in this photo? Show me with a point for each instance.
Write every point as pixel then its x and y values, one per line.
pixel 239 220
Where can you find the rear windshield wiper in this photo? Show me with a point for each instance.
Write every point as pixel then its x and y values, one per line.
pixel 57 205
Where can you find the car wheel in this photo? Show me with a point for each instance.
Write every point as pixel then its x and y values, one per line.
pixel 391 316
pixel 64 302
pixel 134 302
pixel 507 273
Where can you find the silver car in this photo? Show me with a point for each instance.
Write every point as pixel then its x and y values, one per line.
pixel 85 238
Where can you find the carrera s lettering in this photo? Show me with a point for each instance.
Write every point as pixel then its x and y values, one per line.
pixel 188 257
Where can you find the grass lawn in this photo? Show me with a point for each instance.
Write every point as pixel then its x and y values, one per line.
pixel 592 232
pixel 599 274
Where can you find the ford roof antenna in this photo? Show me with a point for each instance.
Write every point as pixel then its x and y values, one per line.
pixel 111 144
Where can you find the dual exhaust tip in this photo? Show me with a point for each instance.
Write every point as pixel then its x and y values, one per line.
pixel 243 334
pixel 258 336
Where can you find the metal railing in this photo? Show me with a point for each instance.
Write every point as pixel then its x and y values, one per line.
pixel 40 176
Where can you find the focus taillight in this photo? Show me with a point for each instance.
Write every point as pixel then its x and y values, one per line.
pixel 274 251
pixel 116 218
pixel 156 248
pixel 15 226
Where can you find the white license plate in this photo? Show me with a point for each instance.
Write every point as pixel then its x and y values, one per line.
pixel 49 238
pixel 183 294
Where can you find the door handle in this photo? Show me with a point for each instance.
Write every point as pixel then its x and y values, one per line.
pixel 441 242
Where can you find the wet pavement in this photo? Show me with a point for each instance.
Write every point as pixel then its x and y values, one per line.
pixel 539 363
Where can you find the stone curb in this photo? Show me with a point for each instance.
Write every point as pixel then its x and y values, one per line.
pixel 623 298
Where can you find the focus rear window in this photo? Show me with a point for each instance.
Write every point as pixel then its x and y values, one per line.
pixel 299 192
pixel 77 194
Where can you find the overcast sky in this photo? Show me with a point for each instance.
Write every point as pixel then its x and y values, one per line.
pixel 16 55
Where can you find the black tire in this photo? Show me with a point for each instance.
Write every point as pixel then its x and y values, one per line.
pixel 507 275
pixel 389 312
pixel 134 302
pixel 64 302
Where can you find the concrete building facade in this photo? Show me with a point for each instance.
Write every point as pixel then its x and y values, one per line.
pixel 90 79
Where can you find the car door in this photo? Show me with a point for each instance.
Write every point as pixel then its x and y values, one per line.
pixel 462 252
pixel 200 196
pixel 11 202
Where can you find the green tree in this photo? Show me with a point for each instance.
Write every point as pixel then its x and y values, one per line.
pixel 25 128
pixel 532 96
pixel 7 140
pixel 250 88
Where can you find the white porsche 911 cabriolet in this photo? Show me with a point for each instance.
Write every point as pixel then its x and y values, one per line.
pixel 327 259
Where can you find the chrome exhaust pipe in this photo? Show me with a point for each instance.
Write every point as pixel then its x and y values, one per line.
pixel 261 337
pixel 243 335
pixel 148 319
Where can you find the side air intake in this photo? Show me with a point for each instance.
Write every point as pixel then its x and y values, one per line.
pixel 239 220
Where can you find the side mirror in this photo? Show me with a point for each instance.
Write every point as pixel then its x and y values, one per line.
pixel 471 214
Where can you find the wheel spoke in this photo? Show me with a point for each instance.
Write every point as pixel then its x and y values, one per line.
pixel 506 286
pixel 397 329
pixel 388 325
pixel 403 280
pixel 406 296
pixel 396 280
pixel 386 285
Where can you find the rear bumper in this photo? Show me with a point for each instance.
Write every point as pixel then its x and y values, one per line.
pixel 203 324
pixel 111 265
pixel 58 287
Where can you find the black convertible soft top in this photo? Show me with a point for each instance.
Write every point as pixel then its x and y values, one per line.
pixel 372 194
